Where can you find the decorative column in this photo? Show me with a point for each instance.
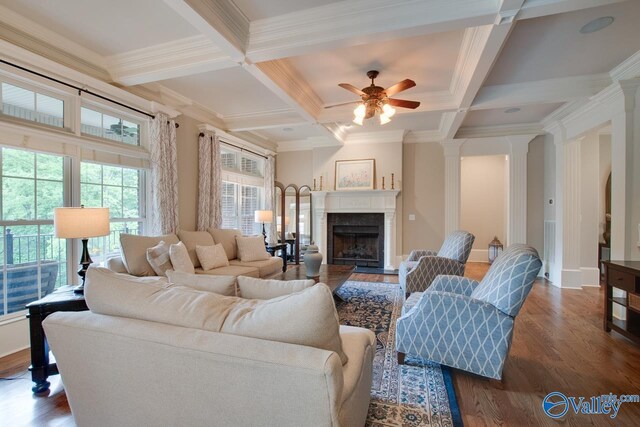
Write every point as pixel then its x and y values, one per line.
pixel 452 184
pixel 625 175
pixel 517 192
pixel 567 272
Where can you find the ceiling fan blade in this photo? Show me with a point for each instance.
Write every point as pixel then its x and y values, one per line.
pixel 344 103
pixel 399 87
pixel 351 88
pixel 403 103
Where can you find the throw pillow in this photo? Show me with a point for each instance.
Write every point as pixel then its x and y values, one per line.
pixel 222 285
pixel 212 256
pixel 306 318
pixel 158 258
pixel 252 288
pixel 251 248
pixel 193 238
pixel 134 251
pixel 180 258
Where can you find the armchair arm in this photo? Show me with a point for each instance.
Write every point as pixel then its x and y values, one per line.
pixel 421 277
pixel 457 331
pixel 416 254
pixel 453 284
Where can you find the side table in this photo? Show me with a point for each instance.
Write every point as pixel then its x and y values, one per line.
pixel 282 247
pixel 63 299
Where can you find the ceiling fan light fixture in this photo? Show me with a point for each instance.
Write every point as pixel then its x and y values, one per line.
pixel 384 119
pixel 358 120
pixel 360 111
pixel 388 110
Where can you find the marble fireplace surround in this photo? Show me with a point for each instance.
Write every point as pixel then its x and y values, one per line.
pixel 365 201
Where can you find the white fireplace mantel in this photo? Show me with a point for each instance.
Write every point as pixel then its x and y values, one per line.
pixel 365 201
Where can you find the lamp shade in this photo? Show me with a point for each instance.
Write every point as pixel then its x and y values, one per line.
pixel 80 223
pixel 263 216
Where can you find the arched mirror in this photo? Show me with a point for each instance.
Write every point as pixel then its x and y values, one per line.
pixel 289 224
pixel 305 225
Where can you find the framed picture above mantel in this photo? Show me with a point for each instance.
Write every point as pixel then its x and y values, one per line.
pixel 355 175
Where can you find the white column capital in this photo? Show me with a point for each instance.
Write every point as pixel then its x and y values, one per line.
pixel 452 147
pixel 629 90
pixel 519 144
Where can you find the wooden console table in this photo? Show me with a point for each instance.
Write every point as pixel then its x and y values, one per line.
pixel 623 276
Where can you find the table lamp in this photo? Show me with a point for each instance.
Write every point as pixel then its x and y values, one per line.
pixel 81 223
pixel 264 217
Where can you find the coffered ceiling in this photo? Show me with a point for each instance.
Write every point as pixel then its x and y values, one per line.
pixel 266 70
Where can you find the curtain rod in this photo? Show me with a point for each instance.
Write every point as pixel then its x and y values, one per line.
pixel 240 148
pixel 79 89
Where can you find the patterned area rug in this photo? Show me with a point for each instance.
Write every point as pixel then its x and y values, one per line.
pixel 419 393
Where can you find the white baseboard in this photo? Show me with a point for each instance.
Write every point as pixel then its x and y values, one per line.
pixel 590 277
pixel 479 255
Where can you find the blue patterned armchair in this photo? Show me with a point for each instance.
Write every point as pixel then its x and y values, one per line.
pixel 419 270
pixel 468 325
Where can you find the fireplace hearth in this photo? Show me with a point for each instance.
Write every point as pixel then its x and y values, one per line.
pixel 356 239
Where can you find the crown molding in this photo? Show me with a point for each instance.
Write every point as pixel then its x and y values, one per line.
pixel 163 61
pixel 500 131
pixel 379 137
pixel 263 120
pixel 220 21
pixel 423 136
pixel 627 69
pixel 349 23
pixel 241 142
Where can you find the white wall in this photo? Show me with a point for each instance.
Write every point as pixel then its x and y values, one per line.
pixel 589 207
pixel 536 193
pixel 483 190
pixel 295 167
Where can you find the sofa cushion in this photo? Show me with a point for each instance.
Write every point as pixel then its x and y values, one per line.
pixel 232 270
pixel 180 258
pixel 212 256
pixel 193 238
pixel 251 288
pixel 228 239
pixel 251 248
pixel 158 258
pixel 134 251
pixel 122 295
pixel 222 285
pixel 116 264
pixel 265 267
pixel 306 318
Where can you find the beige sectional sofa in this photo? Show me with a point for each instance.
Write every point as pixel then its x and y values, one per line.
pixel 151 353
pixel 133 254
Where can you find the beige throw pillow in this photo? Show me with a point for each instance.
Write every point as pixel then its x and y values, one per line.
pixel 158 258
pixel 252 288
pixel 222 285
pixel 193 238
pixel 251 248
pixel 306 318
pixel 134 251
pixel 180 258
pixel 212 256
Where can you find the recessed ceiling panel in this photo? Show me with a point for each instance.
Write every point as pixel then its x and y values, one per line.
pixel 106 27
pixel 526 114
pixel 552 46
pixel 292 133
pixel 260 9
pixel 429 60
pixel 228 92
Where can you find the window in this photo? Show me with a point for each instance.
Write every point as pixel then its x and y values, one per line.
pixel 122 191
pixel 33 106
pixel 242 190
pixel 103 125
pixel 33 260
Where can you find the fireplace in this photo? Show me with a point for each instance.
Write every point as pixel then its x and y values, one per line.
pixel 355 239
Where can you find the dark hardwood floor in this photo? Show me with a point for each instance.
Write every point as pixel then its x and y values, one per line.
pixel 558 345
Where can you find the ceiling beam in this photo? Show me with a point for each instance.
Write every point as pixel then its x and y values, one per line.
pixel 263 120
pixel 543 91
pixel 537 8
pixel 178 58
